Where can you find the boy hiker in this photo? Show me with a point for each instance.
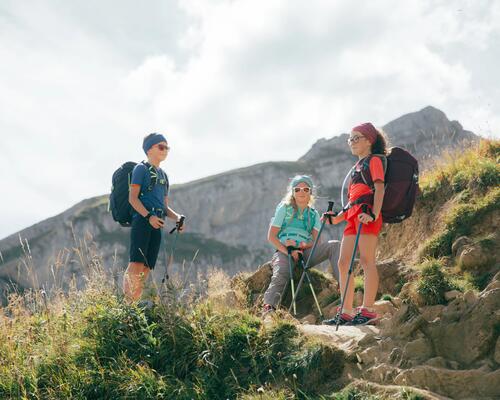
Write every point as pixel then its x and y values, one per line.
pixel 149 198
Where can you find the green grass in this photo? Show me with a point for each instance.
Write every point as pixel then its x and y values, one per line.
pixel 471 180
pixel 91 345
pixel 433 283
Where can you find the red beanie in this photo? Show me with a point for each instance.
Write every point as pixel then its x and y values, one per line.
pixel 368 131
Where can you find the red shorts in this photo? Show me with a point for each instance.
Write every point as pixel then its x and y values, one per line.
pixel 371 228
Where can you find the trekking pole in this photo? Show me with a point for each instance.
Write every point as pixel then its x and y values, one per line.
pixel 330 208
pixel 364 208
pixel 177 227
pixel 289 249
pixel 310 285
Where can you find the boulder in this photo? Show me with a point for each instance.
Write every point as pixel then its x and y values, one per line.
pixel 458 244
pixel 472 257
pixel 418 350
pixel 309 319
pixel 383 307
pixel 496 355
pixel 260 279
pixel 461 384
pixel 452 294
pixel 472 330
pixel 437 362
pixel 430 313
pixel 470 297
pixel 378 391
pixel 392 275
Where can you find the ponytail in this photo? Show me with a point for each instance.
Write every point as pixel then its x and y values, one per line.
pixel 380 145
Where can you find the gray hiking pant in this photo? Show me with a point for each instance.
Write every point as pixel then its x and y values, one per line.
pixel 281 270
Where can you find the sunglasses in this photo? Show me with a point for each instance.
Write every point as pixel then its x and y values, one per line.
pixel 303 189
pixel 162 147
pixel 354 139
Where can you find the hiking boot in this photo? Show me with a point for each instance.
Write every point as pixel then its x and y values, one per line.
pixel 364 317
pixel 343 319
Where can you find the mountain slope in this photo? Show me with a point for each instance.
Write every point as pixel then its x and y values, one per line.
pixel 227 217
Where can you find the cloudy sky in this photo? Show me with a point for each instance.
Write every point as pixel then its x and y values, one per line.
pixel 230 82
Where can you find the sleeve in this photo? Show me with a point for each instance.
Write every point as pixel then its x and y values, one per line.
pixel 317 222
pixel 279 216
pixel 377 169
pixel 138 174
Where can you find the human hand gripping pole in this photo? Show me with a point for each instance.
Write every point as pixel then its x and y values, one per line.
pixel 304 273
pixel 178 227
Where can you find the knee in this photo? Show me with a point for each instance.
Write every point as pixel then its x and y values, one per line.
pixel 367 263
pixel 343 265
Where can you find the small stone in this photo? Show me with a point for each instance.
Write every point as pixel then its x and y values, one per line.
pixel 397 302
pixel 309 319
pixel 452 294
pixel 383 307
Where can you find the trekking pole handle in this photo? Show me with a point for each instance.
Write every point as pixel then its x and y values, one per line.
pixel 330 208
pixel 367 210
pixel 289 249
pixel 178 224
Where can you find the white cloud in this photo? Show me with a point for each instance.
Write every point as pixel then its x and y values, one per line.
pixel 231 83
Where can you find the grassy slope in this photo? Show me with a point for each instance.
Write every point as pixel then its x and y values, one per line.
pixel 459 197
pixel 89 344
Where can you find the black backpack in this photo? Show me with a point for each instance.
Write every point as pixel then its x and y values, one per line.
pixel 119 205
pixel 401 184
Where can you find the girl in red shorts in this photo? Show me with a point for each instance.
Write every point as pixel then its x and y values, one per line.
pixel 365 141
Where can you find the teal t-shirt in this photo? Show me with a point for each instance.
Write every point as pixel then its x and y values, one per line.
pixel 298 228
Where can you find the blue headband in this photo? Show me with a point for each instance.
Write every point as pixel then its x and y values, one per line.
pixel 302 178
pixel 151 140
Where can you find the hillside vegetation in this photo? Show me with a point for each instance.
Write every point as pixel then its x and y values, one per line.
pixel 88 344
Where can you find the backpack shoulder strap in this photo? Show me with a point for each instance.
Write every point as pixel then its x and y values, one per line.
pixel 153 175
pixel 366 167
pixel 290 212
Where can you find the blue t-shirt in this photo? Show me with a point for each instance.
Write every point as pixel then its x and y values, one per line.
pixel 154 198
pixel 299 227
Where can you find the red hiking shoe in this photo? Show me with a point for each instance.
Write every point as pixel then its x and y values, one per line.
pixel 364 317
pixel 343 319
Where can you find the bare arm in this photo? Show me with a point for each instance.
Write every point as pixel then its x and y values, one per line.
pixel 272 237
pixel 378 198
pixel 171 213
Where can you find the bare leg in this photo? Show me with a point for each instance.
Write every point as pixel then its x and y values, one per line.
pixel 367 251
pixel 133 281
pixel 346 249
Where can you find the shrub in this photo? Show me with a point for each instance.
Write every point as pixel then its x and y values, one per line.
pixel 433 283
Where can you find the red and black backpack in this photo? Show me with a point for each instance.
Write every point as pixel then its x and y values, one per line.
pixel 401 183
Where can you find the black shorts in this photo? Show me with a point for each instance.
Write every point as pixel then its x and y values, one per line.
pixel 145 242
